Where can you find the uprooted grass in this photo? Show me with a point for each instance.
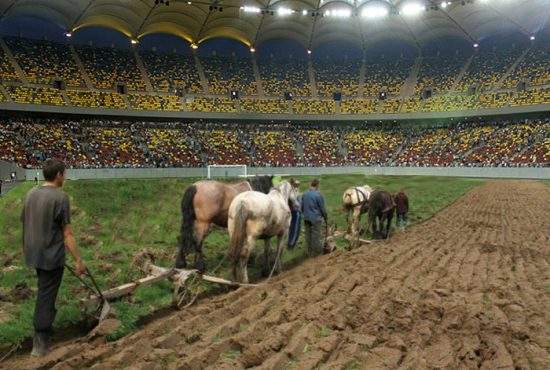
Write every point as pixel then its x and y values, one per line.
pixel 116 219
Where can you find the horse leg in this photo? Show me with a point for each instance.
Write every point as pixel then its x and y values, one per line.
pixel 241 272
pixel 356 219
pixel 201 230
pixel 267 250
pixel 279 257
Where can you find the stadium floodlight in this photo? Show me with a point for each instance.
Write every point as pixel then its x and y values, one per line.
pixel 412 9
pixel 304 12
pixel 251 9
pixel 252 50
pixel 68 34
pixel 444 4
pixel 134 41
pixel 188 3
pixel 374 12
pixel 532 38
pixel 194 46
pixel 338 13
pixel 282 11
pixel 476 45
pixel 308 51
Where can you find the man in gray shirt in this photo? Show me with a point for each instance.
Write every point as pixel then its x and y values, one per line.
pixel 47 233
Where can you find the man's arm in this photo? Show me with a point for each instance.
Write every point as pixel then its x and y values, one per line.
pixel 70 245
pixel 321 201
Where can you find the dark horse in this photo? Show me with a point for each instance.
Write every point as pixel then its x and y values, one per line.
pixel 381 208
pixel 205 203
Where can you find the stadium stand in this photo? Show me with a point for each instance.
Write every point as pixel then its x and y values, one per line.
pixel 95 99
pixel 386 75
pixel 264 105
pixel 534 68
pixel 284 75
pixel 7 72
pixel 337 75
pixel 218 104
pixel 439 73
pixel 168 70
pixel 225 74
pixel 155 102
pixel 45 61
pixel 358 106
pixel 109 66
pixel 314 106
pixel 35 95
pixel 107 143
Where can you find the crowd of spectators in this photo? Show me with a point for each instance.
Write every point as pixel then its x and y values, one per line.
pixel 439 73
pixel 36 95
pixel 96 99
pixel 7 72
pixel 534 69
pixel 99 143
pixel 45 61
pixel 387 75
pixel 155 102
pixel 217 104
pixel 314 106
pixel 264 105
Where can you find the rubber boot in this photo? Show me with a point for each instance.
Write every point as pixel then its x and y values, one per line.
pixel 40 345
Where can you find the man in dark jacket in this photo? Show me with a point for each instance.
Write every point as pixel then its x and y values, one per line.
pixel 402 208
pixel 296 217
pixel 47 233
pixel 314 213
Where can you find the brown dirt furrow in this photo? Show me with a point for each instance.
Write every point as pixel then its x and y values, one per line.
pixel 469 288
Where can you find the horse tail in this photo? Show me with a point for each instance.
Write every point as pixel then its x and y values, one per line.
pixel 238 233
pixel 188 242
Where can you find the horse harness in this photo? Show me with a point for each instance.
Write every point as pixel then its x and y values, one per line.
pixel 363 202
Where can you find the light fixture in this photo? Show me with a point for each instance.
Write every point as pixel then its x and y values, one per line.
pixel 304 12
pixel 68 34
pixel 194 46
pixel 374 11
pixel 252 49
pixel 444 4
pixel 189 3
pixel 338 13
pixel 134 41
pixel 532 38
pixel 412 9
pixel 476 45
pixel 282 11
pixel 251 9
pixel 308 51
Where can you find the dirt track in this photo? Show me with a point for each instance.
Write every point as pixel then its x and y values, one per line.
pixel 469 288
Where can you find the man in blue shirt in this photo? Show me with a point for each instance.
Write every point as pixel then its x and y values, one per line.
pixel 314 212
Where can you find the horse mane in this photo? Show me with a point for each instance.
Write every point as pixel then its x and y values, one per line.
pixel 263 184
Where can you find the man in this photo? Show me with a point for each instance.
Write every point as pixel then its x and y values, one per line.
pixel 402 208
pixel 296 217
pixel 314 212
pixel 47 233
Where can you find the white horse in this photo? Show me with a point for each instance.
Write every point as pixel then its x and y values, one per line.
pixel 354 202
pixel 254 215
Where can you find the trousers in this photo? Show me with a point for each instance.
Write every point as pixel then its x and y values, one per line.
pixel 48 287
pixel 314 237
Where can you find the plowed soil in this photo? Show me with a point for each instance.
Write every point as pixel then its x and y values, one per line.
pixel 469 288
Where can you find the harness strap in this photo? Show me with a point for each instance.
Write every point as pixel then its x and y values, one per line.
pixel 359 202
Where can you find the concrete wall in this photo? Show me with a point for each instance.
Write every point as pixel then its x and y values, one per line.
pixel 152 173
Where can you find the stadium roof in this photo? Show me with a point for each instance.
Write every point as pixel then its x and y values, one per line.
pixel 310 22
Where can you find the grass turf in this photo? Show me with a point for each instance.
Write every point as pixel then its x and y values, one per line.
pixel 115 219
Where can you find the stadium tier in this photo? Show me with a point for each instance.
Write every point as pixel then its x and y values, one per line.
pixel 135 144
pixel 491 77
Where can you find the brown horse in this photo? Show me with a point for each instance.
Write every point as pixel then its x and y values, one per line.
pixel 205 203
pixel 381 208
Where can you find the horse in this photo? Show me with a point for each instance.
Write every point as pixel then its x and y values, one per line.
pixel 354 203
pixel 381 207
pixel 254 215
pixel 205 203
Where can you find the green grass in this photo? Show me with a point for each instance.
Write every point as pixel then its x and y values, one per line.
pixel 115 219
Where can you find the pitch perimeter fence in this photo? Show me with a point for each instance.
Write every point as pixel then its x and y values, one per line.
pixel 153 173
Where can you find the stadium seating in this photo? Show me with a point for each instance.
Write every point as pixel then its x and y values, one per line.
pixel 7 72
pixel 320 148
pixel 284 75
pixel 370 148
pixel 274 148
pixel 95 99
pixel 38 95
pixel 531 97
pixel 224 146
pixel 534 69
pixel 488 66
pixel 225 74
pixel 155 102
pixel 314 106
pixel 439 73
pixel 114 147
pixel 108 66
pixel 223 105
pixel 358 106
pixel 264 105
pixel 172 70
pixel 169 147
pixel 11 147
pixel 337 75
pixel 44 61
pixel 386 75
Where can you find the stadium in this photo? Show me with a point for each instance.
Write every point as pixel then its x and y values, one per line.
pixel 163 121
